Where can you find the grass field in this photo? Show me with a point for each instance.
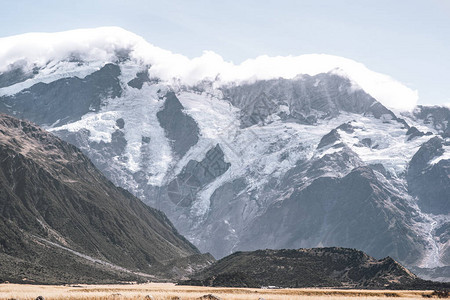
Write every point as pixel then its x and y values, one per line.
pixel 168 291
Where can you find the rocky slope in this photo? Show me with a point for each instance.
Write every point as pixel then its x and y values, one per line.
pixel 317 267
pixel 311 160
pixel 61 220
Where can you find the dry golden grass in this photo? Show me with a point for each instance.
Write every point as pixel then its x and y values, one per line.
pixel 168 291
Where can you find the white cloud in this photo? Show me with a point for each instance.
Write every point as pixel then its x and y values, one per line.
pixel 102 43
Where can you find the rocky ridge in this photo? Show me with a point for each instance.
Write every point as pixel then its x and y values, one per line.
pixel 62 221
pixel 317 267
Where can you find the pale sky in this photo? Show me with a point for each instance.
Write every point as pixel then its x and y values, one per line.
pixel 406 39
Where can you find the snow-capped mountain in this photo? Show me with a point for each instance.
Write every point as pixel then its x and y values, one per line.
pixel 279 152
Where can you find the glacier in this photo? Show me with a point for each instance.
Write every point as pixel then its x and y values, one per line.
pixel 317 149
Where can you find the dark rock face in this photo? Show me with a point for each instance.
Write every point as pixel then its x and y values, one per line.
pixel 329 139
pixel 381 169
pixel 338 267
pixel 347 127
pixel 367 142
pixel 120 123
pixel 14 75
pixel 413 132
pixel 428 151
pixel 334 206
pixel 225 201
pixel 179 127
pixel 436 116
pixel 306 98
pixel 430 182
pixel 52 197
pixel 342 161
pixel 182 190
pixel 333 136
pixel 139 80
pixel 64 100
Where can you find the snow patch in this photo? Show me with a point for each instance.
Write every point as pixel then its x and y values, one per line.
pixel 100 125
pixel 53 72
pixel 445 155
pixel 389 143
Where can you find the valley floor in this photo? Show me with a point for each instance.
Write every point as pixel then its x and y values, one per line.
pixel 169 291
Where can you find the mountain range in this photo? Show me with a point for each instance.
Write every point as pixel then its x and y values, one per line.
pixel 314 159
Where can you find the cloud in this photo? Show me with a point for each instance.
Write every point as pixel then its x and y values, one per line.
pixel 102 44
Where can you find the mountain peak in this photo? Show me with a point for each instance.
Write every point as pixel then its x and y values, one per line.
pixel 110 44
